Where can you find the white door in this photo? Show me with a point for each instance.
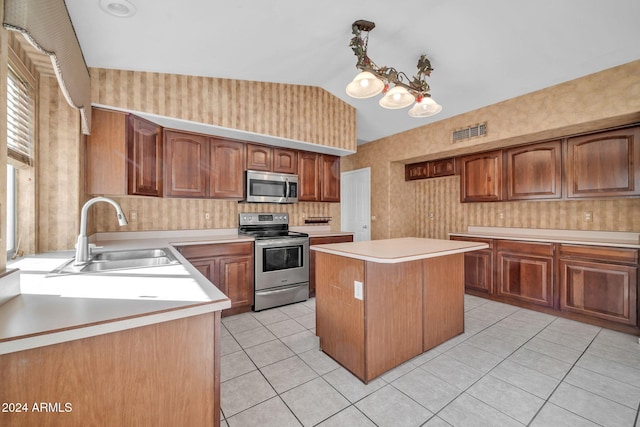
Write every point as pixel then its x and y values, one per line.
pixel 355 203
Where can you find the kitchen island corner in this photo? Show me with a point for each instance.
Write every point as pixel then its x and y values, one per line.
pixel 379 303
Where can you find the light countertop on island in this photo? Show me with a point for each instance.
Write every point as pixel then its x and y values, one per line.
pixel 390 251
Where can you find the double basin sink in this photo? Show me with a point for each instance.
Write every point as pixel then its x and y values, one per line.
pixel 120 260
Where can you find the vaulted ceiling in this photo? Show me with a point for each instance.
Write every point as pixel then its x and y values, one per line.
pixel 482 52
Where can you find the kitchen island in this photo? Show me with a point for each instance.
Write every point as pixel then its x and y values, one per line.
pixel 379 303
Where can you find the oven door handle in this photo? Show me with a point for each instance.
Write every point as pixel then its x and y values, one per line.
pixel 282 242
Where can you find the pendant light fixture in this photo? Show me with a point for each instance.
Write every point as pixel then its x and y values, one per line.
pixel 396 97
pixel 365 85
pixel 425 107
pixel 399 91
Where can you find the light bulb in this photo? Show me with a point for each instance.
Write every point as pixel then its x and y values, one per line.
pixel 397 97
pixel 426 107
pixel 365 85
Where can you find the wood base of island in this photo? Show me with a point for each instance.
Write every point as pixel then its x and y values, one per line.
pixel 165 374
pixel 406 308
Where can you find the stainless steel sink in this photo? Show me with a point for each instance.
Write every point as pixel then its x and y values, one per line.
pixel 120 260
pixel 133 254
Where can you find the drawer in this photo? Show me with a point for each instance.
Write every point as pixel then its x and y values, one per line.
pixel 525 248
pixel 600 253
pixel 330 239
pixel 474 239
pixel 216 249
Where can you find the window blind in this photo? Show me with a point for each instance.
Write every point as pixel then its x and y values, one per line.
pixel 19 118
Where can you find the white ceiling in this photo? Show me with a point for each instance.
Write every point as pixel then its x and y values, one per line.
pixel 482 52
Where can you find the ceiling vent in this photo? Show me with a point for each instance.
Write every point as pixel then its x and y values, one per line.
pixel 469 132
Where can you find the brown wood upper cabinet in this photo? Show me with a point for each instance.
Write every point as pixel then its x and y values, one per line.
pixel 259 158
pixel 226 175
pixel 329 178
pixel 144 141
pixel 416 171
pixel 481 177
pixel 285 161
pixel 442 167
pixel 432 169
pixel 202 167
pixel 124 155
pixel 308 177
pixel 271 159
pixel 604 164
pixel 318 177
pixel 186 164
pixel 534 171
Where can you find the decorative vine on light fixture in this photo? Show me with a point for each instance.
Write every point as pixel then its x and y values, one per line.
pixel 373 80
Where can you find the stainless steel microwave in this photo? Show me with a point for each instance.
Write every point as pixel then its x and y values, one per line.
pixel 270 187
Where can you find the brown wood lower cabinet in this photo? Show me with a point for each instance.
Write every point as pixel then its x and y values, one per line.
pixel 478 267
pixel 164 374
pixel 229 266
pixel 594 284
pixel 324 240
pixel 525 271
pixel 599 287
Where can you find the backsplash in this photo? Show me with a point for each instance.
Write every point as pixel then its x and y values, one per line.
pixel 441 197
pixel 190 214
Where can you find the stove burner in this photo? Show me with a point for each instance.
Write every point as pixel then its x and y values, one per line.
pixel 266 234
pixel 266 226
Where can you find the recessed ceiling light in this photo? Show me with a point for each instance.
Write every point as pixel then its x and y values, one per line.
pixel 119 8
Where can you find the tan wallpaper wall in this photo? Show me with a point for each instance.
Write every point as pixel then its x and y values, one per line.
pixel 297 112
pixel 302 113
pixel 559 110
pixel 189 214
pixel 441 196
pixel 555 111
pixel 58 169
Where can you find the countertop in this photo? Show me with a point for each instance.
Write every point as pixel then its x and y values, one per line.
pixel 320 231
pixel 577 237
pixel 56 309
pixel 50 310
pixel 391 251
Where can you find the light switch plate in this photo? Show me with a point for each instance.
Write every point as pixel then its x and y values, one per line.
pixel 357 290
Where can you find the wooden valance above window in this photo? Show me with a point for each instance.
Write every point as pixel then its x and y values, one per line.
pixel 47 26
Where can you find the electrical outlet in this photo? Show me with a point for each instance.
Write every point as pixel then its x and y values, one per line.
pixel 133 216
pixel 432 216
pixel 357 290
pixel 588 216
pixel 207 216
pixel 501 215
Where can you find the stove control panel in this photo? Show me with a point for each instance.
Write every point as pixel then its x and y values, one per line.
pixel 251 218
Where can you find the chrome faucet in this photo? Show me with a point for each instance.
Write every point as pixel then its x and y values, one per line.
pixel 83 254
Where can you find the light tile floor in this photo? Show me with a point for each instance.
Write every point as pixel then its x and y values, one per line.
pixel 511 367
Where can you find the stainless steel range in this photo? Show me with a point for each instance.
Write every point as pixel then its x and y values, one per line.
pixel 281 259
